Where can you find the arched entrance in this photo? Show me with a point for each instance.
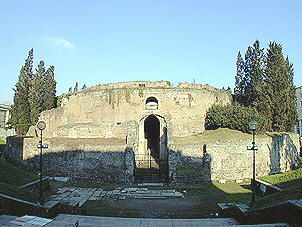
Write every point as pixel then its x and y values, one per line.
pixel 151 156
pixel 152 133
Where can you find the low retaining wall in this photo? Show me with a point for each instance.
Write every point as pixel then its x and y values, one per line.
pixel 265 188
pixel 288 212
pixel 90 162
pixel 17 207
pixel 34 186
pixel 231 160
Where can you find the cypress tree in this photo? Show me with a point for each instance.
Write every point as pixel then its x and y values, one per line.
pixel 254 64
pixel 37 93
pixel 279 79
pixel 34 93
pixel 49 87
pixel 292 115
pixel 20 114
pixel 76 87
pixel 239 80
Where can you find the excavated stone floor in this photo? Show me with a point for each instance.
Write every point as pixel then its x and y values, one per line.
pixel 78 196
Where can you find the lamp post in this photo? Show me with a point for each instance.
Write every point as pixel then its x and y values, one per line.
pixel 253 126
pixel 41 126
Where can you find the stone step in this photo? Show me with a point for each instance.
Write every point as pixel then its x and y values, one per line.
pixel 87 221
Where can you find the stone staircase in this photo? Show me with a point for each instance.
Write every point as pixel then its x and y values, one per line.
pixel 66 220
pixel 152 175
pixel 89 221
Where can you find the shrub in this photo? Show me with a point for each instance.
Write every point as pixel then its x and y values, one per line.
pixel 234 117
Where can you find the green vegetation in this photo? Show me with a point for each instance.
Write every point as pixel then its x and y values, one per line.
pixel 284 179
pixel 213 136
pixel 233 117
pixel 15 176
pixel 34 93
pixel 2 141
pixel 17 192
pixel 100 208
pixel 264 79
pixel 12 177
pixel 60 98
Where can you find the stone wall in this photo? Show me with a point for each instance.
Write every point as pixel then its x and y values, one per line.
pixel 231 160
pixel 101 161
pixel 107 111
pixel 75 159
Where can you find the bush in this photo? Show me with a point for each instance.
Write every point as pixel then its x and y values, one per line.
pixel 22 129
pixel 234 117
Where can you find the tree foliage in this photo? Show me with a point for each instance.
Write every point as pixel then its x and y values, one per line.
pixel 20 113
pixel 34 93
pixel 265 81
pixel 233 117
pixel 281 91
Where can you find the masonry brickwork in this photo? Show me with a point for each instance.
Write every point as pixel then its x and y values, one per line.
pixel 103 132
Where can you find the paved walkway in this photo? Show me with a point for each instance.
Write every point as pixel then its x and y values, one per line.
pixel 78 196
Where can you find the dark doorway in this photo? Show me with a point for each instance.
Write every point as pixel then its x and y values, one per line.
pixel 150 167
pixel 152 133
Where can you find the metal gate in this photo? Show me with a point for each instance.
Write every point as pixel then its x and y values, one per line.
pixel 150 169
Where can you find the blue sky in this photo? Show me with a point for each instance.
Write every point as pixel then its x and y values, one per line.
pixel 95 42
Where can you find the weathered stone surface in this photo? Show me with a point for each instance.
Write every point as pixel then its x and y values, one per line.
pixel 231 160
pixel 106 111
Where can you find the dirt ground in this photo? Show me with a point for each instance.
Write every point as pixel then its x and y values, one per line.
pixel 191 206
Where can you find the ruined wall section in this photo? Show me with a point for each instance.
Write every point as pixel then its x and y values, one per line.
pixel 231 160
pixel 132 84
pixel 94 161
pixel 112 112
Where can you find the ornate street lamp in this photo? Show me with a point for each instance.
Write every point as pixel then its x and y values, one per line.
pixel 253 126
pixel 41 126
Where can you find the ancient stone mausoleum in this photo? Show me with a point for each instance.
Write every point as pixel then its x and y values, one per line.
pixel 124 132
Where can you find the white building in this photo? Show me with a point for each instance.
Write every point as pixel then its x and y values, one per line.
pixel 299 109
pixel 4 116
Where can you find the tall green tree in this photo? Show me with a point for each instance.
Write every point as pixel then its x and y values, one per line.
pixel 292 116
pixel 49 87
pixel 254 66
pixel 249 76
pixel 279 80
pixel 37 93
pixel 239 90
pixel 20 114
pixel 34 93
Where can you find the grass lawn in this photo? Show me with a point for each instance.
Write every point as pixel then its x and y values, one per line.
pixel 213 136
pixel 290 183
pixel 13 175
pixel 285 180
pixel 17 192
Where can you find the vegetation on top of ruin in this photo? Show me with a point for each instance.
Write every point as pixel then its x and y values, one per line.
pixel 214 136
pixel 234 116
pixel 88 141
